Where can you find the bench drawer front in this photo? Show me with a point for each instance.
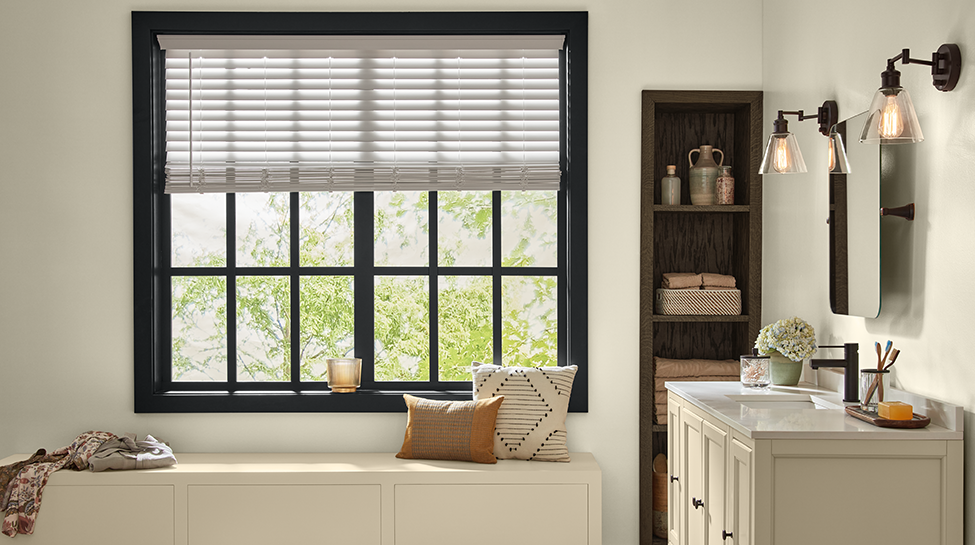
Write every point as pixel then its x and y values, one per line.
pixel 262 514
pixel 489 514
pixel 87 514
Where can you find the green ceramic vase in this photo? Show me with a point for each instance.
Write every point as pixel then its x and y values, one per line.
pixel 785 372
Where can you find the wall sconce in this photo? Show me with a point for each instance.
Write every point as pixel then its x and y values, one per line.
pixel 891 118
pixel 782 155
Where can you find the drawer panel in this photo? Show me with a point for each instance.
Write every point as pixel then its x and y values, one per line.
pixel 261 514
pixel 488 514
pixel 87 514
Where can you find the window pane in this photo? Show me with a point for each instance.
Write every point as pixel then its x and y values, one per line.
pixel 327 323
pixel 326 229
pixel 464 228
pixel 529 324
pixel 199 328
pixel 402 328
pixel 465 332
pixel 529 228
pixel 263 328
pixel 263 221
pixel 199 229
pixel 402 230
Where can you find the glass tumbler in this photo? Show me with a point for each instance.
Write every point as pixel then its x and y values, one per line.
pixel 874 384
pixel 755 371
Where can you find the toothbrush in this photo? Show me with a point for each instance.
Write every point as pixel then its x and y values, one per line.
pixel 893 358
pixel 880 365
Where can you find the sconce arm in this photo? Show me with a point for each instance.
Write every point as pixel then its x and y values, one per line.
pixel 828 115
pixel 945 66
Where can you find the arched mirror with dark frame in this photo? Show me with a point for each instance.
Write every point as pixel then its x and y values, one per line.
pixel 854 224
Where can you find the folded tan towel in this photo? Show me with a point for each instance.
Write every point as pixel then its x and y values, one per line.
pixel 711 279
pixel 661 410
pixel 706 287
pixel 672 368
pixel 681 280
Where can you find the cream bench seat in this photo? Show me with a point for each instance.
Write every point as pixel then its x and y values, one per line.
pixel 340 498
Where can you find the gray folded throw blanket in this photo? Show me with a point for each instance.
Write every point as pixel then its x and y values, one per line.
pixel 127 453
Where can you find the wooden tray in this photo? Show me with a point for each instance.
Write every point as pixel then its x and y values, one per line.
pixel 919 420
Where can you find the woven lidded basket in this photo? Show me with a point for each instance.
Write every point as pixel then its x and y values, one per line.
pixel 698 302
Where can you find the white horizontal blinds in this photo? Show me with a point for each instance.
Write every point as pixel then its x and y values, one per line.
pixel 355 114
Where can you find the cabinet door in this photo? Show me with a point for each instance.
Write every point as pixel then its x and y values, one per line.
pixel 675 496
pixel 715 476
pixel 692 477
pixel 740 479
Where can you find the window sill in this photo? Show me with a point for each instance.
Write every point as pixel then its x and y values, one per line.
pixel 311 401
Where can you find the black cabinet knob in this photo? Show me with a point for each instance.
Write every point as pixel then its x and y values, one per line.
pixel 726 535
pixel 697 503
pixel 672 479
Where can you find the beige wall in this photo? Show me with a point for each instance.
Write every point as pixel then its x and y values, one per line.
pixel 65 210
pixel 66 228
pixel 927 294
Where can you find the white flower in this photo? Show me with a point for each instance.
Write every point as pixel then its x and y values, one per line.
pixel 793 338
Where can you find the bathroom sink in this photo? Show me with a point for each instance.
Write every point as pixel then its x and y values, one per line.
pixel 783 401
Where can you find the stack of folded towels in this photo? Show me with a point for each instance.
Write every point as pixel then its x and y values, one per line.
pixel 697 281
pixel 668 370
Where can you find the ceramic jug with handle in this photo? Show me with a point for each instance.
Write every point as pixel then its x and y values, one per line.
pixel 703 174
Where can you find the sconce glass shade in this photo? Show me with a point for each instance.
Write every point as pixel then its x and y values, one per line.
pixel 838 162
pixel 782 155
pixel 891 119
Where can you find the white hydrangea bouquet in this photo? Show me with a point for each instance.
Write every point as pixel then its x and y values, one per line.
pixel 792 337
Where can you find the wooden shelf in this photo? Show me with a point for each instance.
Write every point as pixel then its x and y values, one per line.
pixel 691 208
pixel 670 318
pixel 722 239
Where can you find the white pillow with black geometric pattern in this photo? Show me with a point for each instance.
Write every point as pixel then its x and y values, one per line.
pixel 531 421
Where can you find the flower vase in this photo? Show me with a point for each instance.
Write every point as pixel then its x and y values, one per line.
pixel 785 372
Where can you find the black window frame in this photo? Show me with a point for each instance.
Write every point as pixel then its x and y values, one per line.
pixel 154 391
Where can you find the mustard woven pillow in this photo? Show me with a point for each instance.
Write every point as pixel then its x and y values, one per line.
pixel 450 430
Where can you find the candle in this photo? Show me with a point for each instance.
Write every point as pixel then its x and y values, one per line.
pixel 343 373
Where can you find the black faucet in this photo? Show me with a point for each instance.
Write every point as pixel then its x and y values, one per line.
pixel 851 369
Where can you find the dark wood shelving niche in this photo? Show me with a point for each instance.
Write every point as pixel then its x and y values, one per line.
pixel 725 239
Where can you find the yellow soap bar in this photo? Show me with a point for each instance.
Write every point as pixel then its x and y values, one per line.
pixel 895 410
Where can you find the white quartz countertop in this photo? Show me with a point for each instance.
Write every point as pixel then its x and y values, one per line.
pixel 947 421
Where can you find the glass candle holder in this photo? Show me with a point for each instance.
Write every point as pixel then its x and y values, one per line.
pixel 874 385
pixel 755 371
pixel 343 374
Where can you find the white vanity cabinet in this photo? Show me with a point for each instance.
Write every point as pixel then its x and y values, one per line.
pixel 711 478
pixel 741 476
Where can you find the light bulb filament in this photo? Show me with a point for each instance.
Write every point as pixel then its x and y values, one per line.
pixel 782 160
pixel 891 121
pixel 832 153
